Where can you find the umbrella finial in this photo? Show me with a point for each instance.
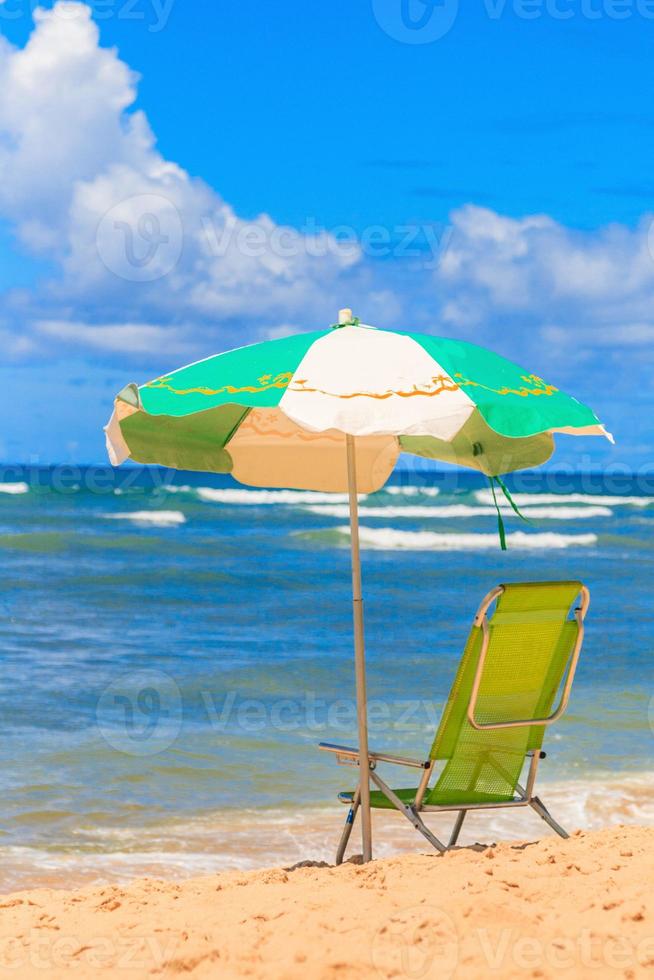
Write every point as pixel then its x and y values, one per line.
pixel 344 317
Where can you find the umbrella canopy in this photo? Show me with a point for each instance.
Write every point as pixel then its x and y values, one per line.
pixel 331 410
pixel 276 414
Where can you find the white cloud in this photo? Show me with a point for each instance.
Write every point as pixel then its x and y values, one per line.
pixel 623 334
pixel 598 285
pixel 128 338
pixel 145 256
pixel 62 120
pixel 132 234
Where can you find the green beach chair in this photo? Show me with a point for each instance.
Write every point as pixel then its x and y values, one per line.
pixel 514 663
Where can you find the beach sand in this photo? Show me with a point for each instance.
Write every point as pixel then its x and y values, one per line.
pixel 550 908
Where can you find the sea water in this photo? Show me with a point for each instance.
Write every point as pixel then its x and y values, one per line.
pixel 174 646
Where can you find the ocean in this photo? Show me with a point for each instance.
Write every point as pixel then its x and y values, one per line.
pixel 175 645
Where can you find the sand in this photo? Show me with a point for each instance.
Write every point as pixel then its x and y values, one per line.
pixel 549 908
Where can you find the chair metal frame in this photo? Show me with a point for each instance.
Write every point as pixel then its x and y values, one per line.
pixel 346 755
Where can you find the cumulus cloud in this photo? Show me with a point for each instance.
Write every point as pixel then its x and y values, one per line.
pixel 144 256
pixel 62 118
pixel 124 338
pixel 597 286
pixel 131 233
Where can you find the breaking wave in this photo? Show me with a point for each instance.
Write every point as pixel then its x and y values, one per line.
pixel 258 498
pixel 156 518
pixel 14 488
pixel 390 539
pixel 463 510
pixel 526 499
pixel 412 491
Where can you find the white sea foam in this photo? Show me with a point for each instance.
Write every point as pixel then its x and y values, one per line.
pixel 223 839
pixel 157 518
pixel 527 499
pixel 14 488
pixel 412 491
pixel 448 511
pixel 411 510
pixel 390 539
pixel 561 513
pixel 265 497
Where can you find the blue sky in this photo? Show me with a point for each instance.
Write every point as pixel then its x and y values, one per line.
pixel 492 183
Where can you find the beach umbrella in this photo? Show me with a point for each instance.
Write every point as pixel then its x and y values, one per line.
pixel 331 410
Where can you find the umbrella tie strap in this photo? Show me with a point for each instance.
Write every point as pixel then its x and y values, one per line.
pixel 500 520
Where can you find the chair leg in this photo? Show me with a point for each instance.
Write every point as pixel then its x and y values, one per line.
pixel 409 812
pixel 413 817
pixel 347 829
pixel 542 811
pixel 456 830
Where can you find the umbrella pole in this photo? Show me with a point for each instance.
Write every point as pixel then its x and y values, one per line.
pixel 359 651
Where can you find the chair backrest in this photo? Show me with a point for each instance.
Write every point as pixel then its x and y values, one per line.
pixel 525 647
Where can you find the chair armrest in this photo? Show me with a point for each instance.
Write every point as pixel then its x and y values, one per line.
pixel 399 760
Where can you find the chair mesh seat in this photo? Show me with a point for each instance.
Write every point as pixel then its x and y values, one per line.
pixel 531 640
pixel 380 802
